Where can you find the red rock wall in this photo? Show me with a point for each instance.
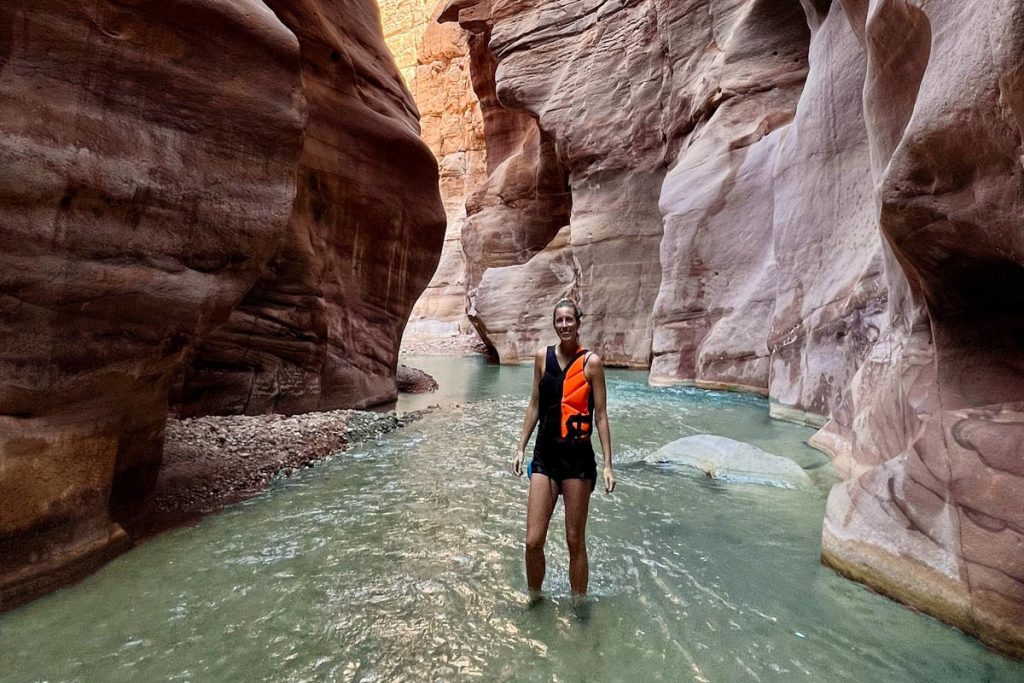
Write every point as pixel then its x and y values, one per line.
pixel 717 296
pixel 514 215
pixel 931 436
pixel 320 330
pixel 826 199
pixel 157 168
pixel 146 175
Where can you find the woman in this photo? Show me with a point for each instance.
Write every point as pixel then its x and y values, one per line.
pixel 568 399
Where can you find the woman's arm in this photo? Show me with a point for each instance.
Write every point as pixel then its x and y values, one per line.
pixel 532 413
pixel 594 371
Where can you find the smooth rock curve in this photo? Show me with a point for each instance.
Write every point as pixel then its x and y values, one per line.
pixel 732 461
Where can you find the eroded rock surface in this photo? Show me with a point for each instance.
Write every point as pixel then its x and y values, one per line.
pixel 321 328
pixel 734 461
pixel 142 189
pixel 826 198
pixel 717 294
pixel 406 24
pixel 156 163
pixel 452 126
pixel 932 432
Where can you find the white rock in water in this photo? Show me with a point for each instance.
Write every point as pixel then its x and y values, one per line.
pixel 730 460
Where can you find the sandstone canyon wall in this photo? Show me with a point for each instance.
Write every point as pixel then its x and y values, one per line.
pixel 150 163
pixel 816 201
pixel 320 329
pixel 931 433
pixel 451 123
pixel 406 24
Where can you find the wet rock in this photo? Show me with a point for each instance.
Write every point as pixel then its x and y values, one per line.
pixel 732 461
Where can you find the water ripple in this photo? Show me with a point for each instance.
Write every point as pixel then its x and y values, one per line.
pixel 403 562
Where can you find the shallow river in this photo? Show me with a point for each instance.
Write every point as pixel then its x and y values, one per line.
pixel 402 560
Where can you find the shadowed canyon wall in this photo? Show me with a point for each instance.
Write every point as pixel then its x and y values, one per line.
pixel 320 329
pixel 820 202
pixel 159 166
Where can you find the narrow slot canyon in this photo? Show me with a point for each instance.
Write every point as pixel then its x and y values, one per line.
pixel 291 263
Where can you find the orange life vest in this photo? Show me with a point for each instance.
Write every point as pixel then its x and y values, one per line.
pixel 577 402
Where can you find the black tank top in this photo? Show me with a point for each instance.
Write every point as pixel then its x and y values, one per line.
pixel 566 404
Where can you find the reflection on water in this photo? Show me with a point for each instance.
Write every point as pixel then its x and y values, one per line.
pixel 402 561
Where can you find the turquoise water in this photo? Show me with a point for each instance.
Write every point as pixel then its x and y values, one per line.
pixel 401 561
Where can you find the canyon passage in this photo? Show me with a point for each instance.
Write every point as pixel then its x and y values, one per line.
pixel 402 559
pixel 248 208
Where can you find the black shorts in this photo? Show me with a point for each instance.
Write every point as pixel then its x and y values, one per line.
pixel 559 463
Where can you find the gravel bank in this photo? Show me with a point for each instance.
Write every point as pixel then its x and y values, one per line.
pixel 211 462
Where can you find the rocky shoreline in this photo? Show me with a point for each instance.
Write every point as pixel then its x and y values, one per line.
pixel 461 345
pixel 211 462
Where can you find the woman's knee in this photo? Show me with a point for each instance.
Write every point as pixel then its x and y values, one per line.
pixel 535 543
pixel 576 540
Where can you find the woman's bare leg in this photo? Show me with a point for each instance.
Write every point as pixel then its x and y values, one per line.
pixel 539 506
pixel 576 498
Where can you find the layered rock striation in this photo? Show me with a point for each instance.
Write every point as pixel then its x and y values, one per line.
pixel 451 123
pixel 140 195
pixel 406 24
pixel 931 432
pixel 320 329
pixel 820 202
pixel 154 162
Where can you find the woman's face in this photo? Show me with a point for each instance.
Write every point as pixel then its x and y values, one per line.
pixel 566 325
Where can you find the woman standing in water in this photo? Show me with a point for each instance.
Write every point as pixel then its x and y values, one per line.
pixel 568 399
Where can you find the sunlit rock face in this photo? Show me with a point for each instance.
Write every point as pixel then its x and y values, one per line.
pixel 452 125
pixel 147 174
pixel 826 199
pixel 406 24
pixel 931 433
pixel 321 328
pixel 745 70
pixel 595 128
pixel 515 213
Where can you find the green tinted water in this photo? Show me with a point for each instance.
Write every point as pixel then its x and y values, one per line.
pixel 401 560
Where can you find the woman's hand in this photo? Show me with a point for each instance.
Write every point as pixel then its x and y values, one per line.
pixel 517 462
pixel 609 480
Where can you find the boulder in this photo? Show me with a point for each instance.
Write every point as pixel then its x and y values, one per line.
pixel 415 381
pixel 732 461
